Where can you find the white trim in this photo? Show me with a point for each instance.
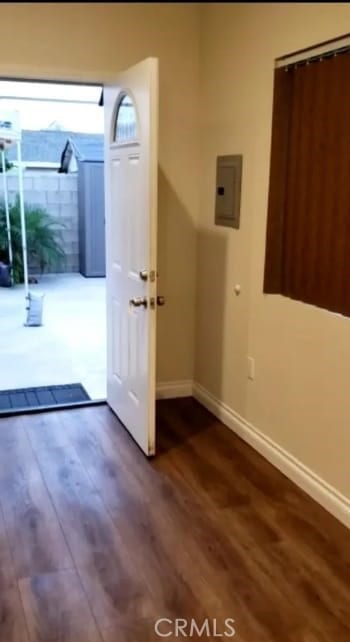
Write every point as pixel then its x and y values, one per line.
pixel 173 389
pixel 33 166
pixel 40 165
pixel 322 492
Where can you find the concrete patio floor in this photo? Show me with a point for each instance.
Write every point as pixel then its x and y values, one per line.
pixel 70 346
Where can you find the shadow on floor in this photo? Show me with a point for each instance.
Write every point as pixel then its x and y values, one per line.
pixel 178 420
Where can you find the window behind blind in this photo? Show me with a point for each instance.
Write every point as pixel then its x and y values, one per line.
pixel 308 228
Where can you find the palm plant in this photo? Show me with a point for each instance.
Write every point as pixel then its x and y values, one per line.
pixel 8 165
pixel 44 239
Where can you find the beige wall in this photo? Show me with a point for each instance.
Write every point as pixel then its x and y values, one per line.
pixel 301 394
pixel 94 41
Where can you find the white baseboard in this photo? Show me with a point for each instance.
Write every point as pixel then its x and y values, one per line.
pixel 174 389
pixel 322 492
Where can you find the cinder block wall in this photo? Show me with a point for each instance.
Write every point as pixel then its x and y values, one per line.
pixel 58 194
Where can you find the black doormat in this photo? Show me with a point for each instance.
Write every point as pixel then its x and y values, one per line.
pixel 22 398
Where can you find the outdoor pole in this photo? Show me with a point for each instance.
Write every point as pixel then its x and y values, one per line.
pixel 23 222
pixel 8 223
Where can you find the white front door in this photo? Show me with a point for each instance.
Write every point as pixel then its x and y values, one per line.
pixel 131 162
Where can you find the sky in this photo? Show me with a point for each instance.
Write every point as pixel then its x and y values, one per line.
pixel 41 104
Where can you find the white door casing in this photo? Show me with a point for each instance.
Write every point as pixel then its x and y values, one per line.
pixel 131 166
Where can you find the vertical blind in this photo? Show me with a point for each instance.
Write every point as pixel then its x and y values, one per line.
pixel 308 228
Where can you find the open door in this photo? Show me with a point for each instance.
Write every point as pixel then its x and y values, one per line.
pixel 131 164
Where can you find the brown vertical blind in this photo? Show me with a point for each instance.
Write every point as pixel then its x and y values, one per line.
pixel 308 229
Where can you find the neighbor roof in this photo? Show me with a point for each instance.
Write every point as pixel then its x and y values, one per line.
pixel 46 145
pixel 85 150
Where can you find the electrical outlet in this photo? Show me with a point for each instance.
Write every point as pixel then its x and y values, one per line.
pixel 251 368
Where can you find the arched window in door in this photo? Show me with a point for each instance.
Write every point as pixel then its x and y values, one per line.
pixel 125 129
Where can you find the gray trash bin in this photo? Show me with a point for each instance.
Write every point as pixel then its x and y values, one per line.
pixel 5 275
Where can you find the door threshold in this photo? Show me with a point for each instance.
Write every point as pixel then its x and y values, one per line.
pixel 50 408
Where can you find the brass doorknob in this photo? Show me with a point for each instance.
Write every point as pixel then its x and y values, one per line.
pixel 137 302
pixel 145 275
pixel 160 300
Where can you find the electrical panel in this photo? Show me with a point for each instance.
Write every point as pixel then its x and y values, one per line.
pixel 228 190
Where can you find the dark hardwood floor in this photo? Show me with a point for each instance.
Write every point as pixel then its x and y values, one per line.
pixel 97 543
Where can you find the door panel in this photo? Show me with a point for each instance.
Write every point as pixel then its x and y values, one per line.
pixel 116 347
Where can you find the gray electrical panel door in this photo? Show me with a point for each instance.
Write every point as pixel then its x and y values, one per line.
pixel 228 190
pixel 91 205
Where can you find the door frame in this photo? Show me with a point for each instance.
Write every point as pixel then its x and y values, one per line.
pixel 25 73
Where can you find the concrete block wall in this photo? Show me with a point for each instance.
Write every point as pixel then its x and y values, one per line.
pixel 58 194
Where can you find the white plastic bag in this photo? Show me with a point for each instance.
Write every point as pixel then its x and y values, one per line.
pixel 35 309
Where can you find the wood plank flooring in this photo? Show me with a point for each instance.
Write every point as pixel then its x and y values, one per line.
pixel 97 542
